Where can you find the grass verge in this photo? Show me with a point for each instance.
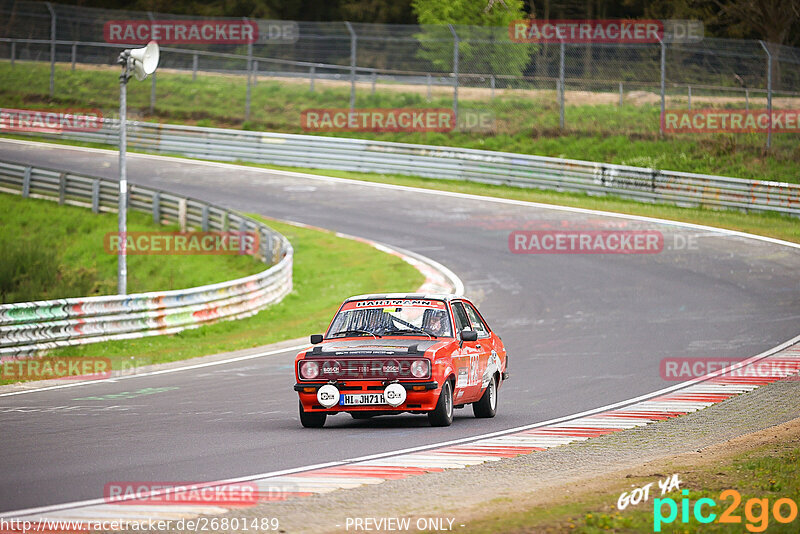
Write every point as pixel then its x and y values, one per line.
pixel 525 122
pixel 767 473
pixel 51 251
pixel 327 269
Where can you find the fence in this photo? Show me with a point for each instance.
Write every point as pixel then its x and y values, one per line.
pixel 519 170
pixel 434 57
pixel 31 327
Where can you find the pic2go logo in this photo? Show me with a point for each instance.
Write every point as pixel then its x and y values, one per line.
pixel 756 511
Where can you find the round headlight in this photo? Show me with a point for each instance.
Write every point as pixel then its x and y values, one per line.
pixel 309 370
pixel 419 368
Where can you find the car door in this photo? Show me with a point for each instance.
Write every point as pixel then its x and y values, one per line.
pixel 487 357
pixel 466 360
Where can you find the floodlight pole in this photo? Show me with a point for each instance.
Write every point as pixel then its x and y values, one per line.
pixel 122 263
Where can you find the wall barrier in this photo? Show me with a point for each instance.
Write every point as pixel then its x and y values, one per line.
pixel 30 327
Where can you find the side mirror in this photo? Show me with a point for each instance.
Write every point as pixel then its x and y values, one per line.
pixel 316 339
pixel 469 335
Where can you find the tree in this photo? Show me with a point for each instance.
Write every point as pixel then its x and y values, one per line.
pixel 482 28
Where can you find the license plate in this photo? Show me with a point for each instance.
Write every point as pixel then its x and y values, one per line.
pixel 362 398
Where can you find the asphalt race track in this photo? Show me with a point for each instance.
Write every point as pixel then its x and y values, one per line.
pixel 582 331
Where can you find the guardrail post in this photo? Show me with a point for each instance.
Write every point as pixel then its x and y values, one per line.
pixel 689 87
pixel 620 94
pixel 225 222
pixel 249 71
pixel 52 48
pixel 312 73
pixel 561 86
pixel 491 82
pixel 769 93
pixel 96 196
pixel 152 76
pixel 194 67
pixel 182 213
pixel 255 73
pixel 62 188
pixel 13 52
pixel 663 86
pixel 26 182
pixel 428 80
pixel 747 99
pixel 157 207
pixel 204 222
pixel 653 175
pixel 74 55
pixel 353 45
pixel 242 230
pixel 455 70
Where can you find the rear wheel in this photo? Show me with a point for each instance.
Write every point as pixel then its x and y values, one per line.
pixel 312 419
pixel 442 415
pixel 487 406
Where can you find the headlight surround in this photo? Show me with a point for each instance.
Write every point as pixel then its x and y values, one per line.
pixel 309 370
pixel 420 368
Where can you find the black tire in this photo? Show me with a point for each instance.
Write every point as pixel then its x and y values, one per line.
pixel 312 419
pixel 361 415
pixel 442 415
pixel 487 406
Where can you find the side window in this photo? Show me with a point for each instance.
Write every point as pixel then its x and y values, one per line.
pixel 461 316
pixel 477 324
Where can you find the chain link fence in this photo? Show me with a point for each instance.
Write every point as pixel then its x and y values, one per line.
pixel 463 67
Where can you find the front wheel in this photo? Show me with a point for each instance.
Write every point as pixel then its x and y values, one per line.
pixel 487 406
pixel 312 419
pixel 442 415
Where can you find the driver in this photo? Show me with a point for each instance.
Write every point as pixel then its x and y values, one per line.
pixel 437 323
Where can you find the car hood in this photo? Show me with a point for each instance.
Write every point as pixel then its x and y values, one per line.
pixel 357 348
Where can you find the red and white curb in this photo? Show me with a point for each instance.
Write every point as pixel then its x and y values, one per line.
pixel 783 362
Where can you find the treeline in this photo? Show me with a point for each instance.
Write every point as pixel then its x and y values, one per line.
pixel 777 21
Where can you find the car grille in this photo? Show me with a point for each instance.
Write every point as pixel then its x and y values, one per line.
pixel 365 369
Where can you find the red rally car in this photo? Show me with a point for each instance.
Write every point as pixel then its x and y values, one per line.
pixel 395 353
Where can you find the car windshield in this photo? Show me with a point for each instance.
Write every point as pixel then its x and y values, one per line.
pixel 393 317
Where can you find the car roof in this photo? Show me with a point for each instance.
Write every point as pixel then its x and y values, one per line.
pixel 414 296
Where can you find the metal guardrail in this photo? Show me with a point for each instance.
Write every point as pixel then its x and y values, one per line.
pixel 519 170
pixel 30 327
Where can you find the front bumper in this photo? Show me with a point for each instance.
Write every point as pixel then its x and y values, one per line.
pixel 421 396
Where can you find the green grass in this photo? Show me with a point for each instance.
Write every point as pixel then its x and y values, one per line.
pixel 526 123
pixel 763 473
pixel 51 251
pixel 327 269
